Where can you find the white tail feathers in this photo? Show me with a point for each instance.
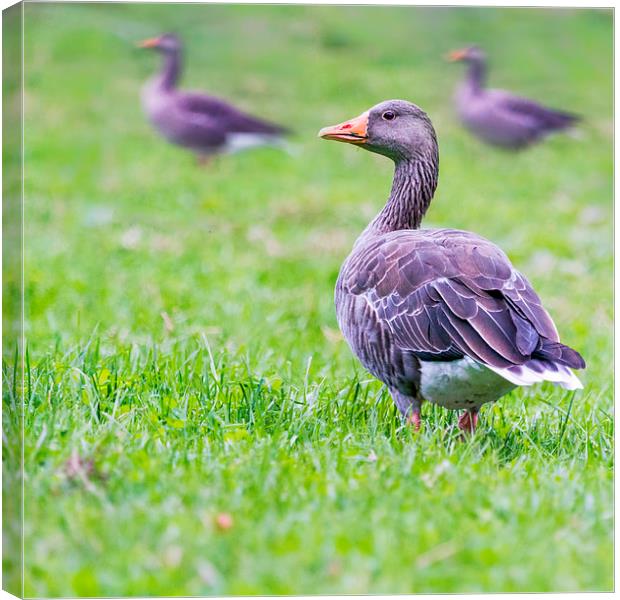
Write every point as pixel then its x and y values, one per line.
pixel 236 142
pixel 535 371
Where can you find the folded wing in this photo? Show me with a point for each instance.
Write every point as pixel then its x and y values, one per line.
pixel 448 294
pixel 227 116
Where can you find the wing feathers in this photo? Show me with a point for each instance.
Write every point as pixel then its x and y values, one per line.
pixel 475 343
pixel 447 293
pixel 461 305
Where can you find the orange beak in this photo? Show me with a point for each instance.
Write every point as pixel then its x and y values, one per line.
pixel 352 132
pixel 457 55
pixel 148 43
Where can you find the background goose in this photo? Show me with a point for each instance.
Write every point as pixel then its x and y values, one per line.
pixel 437 314
pixel 499 117
pixel 201 123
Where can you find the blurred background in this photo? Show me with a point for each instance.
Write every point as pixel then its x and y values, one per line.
pixel 133 248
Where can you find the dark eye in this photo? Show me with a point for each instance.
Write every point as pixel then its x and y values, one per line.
pixel 388 115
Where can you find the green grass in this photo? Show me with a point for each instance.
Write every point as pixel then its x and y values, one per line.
pixel 142 429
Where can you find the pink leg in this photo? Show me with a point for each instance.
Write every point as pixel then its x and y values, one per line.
pixel 468 421
pixel 414 419
pixel 203 161
pixel 409 407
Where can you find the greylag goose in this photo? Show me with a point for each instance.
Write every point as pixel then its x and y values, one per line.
pixel 438 315
pixel 498 117
pixel 203 124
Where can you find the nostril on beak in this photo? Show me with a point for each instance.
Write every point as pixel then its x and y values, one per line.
pixel 346 126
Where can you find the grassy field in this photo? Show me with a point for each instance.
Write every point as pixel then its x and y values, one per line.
pixel 194 423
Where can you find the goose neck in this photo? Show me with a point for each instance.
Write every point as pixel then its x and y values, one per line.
pixel 476 75
pixel 171 71
pixel 413 187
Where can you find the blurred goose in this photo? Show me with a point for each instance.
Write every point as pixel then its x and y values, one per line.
pixel 203 124
pixel 498 117
pixel 438 315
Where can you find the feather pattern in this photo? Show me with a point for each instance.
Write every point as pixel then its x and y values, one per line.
pixel 448 293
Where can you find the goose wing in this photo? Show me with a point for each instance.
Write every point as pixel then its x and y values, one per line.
pixel 225 115
pixel 445 294
pixel 537 114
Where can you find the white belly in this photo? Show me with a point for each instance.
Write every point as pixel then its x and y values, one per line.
pixel 461 383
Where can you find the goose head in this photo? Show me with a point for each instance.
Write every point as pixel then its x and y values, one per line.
pixel 469 55
pixel 167 43
pixel 397 129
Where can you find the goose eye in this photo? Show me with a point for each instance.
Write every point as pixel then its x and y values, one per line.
pixel 388 115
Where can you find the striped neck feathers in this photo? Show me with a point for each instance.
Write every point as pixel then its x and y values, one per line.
pixel 413 187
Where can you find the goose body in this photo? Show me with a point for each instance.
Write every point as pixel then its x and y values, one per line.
pixel 200 123
pixel 438 315
pixel 497 116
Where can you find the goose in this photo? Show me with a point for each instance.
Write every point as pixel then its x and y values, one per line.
pixel 499 117
pixel 438 315
pixel 203 124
